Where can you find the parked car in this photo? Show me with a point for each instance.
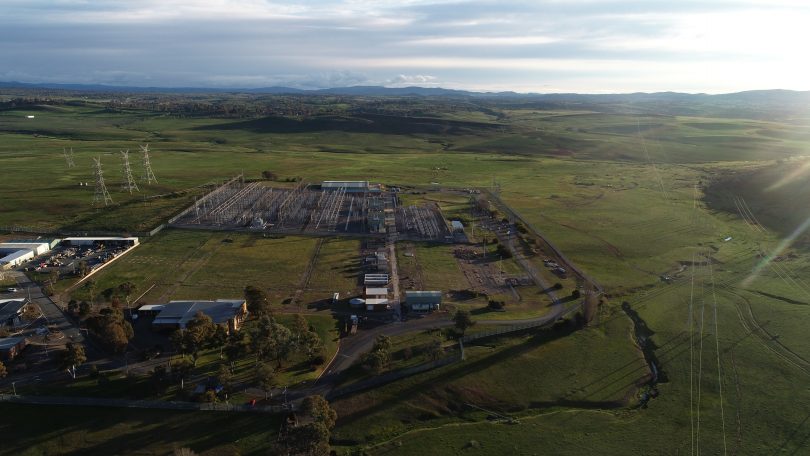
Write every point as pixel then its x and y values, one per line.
pixel 12 290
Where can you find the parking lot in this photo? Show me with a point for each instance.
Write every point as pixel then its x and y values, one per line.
pixel 71 260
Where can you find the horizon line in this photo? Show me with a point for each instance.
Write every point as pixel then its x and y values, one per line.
pixel 88 86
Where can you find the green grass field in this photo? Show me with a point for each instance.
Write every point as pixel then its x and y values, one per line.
pixel 187 264
pixel 515 376
pixel 336 270
pixel 627 197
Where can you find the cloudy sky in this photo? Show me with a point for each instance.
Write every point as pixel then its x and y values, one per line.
pixel 527 46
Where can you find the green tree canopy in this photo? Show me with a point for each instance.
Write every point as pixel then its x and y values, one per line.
pixel 463 321
pixel 257 301
pixel 319 410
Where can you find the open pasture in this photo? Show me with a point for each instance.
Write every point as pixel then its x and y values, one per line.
pixel 186 264
pixel 632 199
pixel 40 191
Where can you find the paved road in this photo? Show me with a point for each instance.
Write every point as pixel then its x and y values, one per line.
pixel 392 256
pixel 55 317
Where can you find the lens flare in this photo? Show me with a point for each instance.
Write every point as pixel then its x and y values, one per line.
pixel 783 245
pixel 797 173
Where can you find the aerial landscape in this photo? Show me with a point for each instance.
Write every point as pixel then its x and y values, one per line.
pixel 423 227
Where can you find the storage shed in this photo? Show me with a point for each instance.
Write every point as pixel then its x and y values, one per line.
pixel 373 292
pixel 375 279
pixel 377 304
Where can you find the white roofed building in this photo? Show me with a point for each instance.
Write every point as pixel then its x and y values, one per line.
pixel 126 241
pixel 377 304
pixel 16 258
pixel 14 253
pixel 374 292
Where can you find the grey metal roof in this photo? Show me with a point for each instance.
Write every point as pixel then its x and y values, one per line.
pixel 16 254
pixel 7 343
pixel 362 184
pixel 415 293
pixel 181 312
pixel 10 308
pixel 422 297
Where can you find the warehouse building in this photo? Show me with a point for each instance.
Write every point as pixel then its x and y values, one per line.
pixel 15 253
pixel 38 247
pixel 177 314
pixel 423 301
pixel 351 186
pixel 348 186
pixel 11 347
pixel 11 311
pixel 16 258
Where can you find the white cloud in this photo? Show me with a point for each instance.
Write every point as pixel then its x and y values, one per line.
pixel 483 40
pixel 581 45
pixel 412 79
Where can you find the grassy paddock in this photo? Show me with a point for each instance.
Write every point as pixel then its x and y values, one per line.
pixel 84 430
pixel 187 264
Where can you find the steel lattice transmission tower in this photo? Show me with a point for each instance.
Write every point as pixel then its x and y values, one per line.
pixel 148 175
pixel 129 183
pixel 102 195
pixel 68 157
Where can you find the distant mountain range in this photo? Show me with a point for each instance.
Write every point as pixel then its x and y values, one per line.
pixel 750 96
pixel 276 90
pixel 754 104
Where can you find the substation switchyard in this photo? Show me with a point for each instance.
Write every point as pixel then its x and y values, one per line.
pixel 333 207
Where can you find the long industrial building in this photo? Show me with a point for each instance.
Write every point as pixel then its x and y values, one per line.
pixel 351 186
pixel 15 253
pixel 107 241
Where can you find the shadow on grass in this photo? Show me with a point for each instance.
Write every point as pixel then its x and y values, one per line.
pixel 459 370
pixel 361 123
pixel 89 430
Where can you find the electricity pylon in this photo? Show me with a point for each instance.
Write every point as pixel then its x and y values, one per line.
pixel 101 194
pixel 129 183
pixel 148 175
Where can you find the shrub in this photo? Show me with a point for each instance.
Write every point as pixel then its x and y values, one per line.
pixel 503 252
